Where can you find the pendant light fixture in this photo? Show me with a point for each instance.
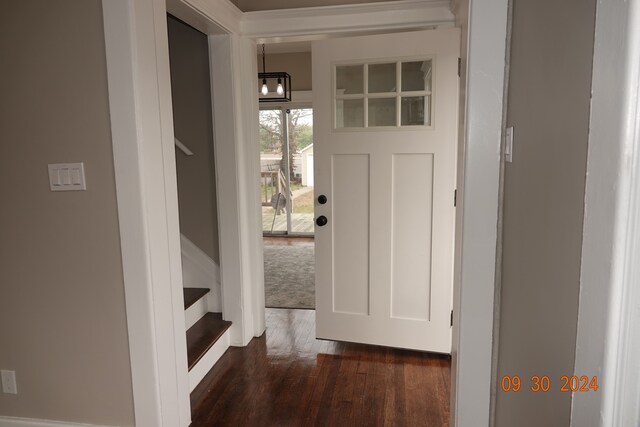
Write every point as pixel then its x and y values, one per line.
pixel 279 79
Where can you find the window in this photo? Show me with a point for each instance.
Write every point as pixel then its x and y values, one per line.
pixel 383 95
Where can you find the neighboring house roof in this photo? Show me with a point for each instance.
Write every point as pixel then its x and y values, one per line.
pixel 310 146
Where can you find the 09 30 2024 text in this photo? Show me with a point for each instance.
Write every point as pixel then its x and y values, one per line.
pixel 543 383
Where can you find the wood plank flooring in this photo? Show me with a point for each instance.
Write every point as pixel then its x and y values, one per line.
pixel 300 222
pixel 288 378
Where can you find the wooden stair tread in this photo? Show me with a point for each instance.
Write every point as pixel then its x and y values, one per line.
pixel 203 335
pixel 191 295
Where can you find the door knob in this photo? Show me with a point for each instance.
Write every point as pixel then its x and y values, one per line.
pixel 322 221
pixel 322 199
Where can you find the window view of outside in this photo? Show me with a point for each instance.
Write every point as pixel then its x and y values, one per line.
pixel 388 104
pixel 278 201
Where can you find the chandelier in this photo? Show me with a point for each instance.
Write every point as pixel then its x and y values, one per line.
pixel 278 80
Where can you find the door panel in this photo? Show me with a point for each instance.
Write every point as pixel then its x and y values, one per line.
pixel 385 144
pixel 411 224
pixel 350 175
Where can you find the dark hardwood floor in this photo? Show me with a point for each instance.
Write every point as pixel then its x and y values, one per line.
pixel 288 378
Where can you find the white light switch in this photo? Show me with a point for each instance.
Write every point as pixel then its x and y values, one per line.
pixel 76 179
pixel 54 177
pixel 67 177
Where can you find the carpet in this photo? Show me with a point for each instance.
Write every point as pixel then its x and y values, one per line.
pixel 289 276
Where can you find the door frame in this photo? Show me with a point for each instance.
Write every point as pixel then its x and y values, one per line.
pixel 146 191
pixel 142 133
pixel 482 79
pixel 139 86
pixel 607 341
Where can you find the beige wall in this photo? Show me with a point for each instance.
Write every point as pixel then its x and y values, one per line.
pixel 550 81
pixel 192 117
pixel 297 64
pixel 62 310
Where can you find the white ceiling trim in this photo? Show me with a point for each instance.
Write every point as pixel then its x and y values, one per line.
pixel 340 9
pixel 226 15
pixel 268 26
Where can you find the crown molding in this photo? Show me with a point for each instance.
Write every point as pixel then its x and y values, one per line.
pixel 343 9
pixel 269 25
pixel 202 14
pixel 308 23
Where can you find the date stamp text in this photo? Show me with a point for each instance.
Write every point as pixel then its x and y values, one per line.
pixel 542 384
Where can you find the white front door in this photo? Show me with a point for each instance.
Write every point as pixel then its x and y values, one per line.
pixel 385 157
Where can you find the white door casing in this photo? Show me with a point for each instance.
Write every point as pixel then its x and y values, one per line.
pixel 384 261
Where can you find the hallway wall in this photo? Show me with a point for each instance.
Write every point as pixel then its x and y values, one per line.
pixel 63 326
pixel 193 126
pixel 548 105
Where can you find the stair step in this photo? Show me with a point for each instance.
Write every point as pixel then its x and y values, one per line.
pixel 203 335
pixel 196 311
pixel 191 295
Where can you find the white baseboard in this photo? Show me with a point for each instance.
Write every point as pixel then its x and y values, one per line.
pixel 205 364
pixel 200 271
pixel 32 422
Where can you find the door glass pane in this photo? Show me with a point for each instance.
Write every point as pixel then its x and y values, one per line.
pixel 416 111
pixel 349 79
pixel 382 112
pixel 272 172
pixel 301 147
pixel 382 78
pixel 416 75
pixel 349 113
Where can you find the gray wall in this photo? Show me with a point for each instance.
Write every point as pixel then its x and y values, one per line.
pixel 193 126
pixel 549 95
pixel 62 310
pixel 297 64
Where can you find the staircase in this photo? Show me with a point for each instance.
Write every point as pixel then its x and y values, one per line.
pixel 207 334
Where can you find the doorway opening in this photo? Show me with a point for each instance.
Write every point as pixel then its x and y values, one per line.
pixel 287 204
pixel 286 171
pixel 147 272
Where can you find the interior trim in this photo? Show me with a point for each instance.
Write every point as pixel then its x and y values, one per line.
pixel 266 26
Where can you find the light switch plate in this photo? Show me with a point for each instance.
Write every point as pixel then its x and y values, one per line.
pixel 67 177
